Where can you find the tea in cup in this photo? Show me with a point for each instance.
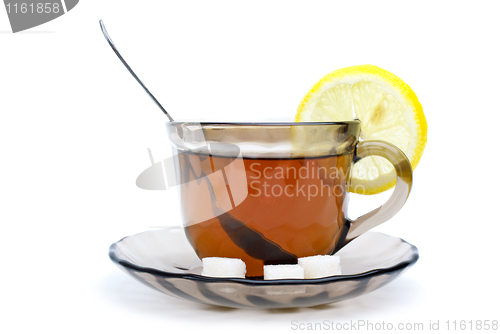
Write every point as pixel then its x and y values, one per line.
pixel 270 193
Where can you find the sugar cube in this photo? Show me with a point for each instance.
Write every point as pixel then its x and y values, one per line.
pixel 283 271
pixel 223 267
pixel 320 265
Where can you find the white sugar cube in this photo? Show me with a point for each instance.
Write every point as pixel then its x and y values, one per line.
pixel 223 267
pixel 283 271
pixel 320 265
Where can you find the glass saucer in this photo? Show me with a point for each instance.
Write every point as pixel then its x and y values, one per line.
pixel 164 260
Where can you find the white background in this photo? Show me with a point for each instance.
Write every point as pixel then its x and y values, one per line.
pixel 75 128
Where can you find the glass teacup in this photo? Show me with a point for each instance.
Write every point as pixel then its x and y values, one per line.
pixel 270 193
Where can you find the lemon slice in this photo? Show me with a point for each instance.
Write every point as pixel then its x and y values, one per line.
pixel 388 110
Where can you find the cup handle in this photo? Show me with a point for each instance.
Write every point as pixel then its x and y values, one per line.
pixel 404 177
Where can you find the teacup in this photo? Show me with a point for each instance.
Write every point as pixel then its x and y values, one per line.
pixel 270 193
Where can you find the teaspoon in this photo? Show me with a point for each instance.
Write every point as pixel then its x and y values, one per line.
pixel 108 38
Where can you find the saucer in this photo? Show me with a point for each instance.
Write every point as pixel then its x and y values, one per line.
pixel 164 260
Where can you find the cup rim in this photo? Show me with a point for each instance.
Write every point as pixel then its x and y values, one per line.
pixel 264 123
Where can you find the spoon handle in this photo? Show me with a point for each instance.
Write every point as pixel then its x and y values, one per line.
pixel 108 38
